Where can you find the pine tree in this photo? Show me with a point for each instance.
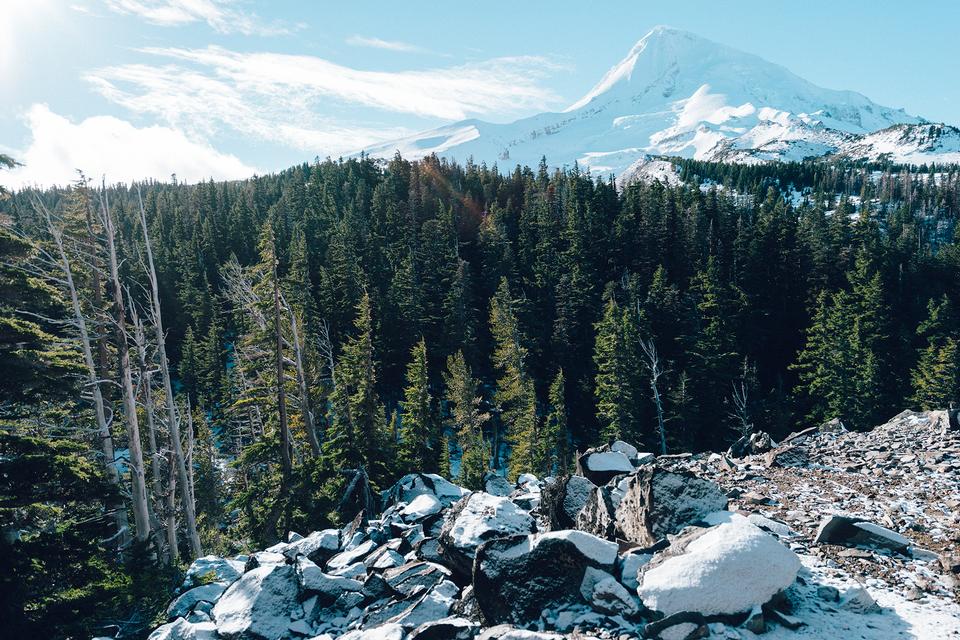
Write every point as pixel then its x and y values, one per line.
pixel 617 382
pixel 358 436
pixel 415 451
pixel 463 403
pixel 556 433
pixel 516 394
pixel 936 378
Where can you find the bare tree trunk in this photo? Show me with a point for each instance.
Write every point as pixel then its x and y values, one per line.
pixel 103 427
pixel 96 284
pixel 653 364
pixel 189 508
pixel 191 442
pixel 305 407
pixel 146 381
pixel 171 511
pixel 141 514
pixel 285 454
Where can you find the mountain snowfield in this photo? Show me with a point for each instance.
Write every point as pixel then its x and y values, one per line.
pixel 677 94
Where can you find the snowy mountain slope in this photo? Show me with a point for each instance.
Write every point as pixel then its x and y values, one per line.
pixel 679 94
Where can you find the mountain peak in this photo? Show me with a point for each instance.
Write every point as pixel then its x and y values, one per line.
pixel 661 50
pixel 679 94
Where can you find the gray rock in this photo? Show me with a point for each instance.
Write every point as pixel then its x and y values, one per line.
pixel 496 485
pixel 656 503
pixel 854 532
pixel 319 546
pixel 475 519
pixel 451 628
pixel 415 577
pixel 185 603
pixel 502 573
pixel 328 587
pixel 212 569
pixel 258 605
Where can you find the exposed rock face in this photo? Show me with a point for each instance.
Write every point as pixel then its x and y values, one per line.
pixel 503 569
pixel 656 503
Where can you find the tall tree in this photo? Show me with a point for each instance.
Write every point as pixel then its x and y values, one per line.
pixel 516 395
pixel 417 451
pixel 936 377
pixel 463 402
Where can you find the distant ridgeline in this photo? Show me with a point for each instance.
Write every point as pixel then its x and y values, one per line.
pixel 428 316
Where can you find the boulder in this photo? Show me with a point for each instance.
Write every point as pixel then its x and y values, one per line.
pixel 212 569
pixel 410 486
pixel 727 569
pixel 598 514
pixel 753 444
pixel 347 558
pixel 657 502
pixel 319 546
pixel 787 456
pixel 602 591
pixel 451 628
pixel 515 579
pixel 258 605
pixel 313 581
pixel 433 604
pixel 180 629
pixel 383 632
pixel 849 531
pixel 561 501
pixel 420 507
pixel 475 519
pixel 630 564
pixel 496 485
pixel 601 465
pixel 184 604
pixel 415 577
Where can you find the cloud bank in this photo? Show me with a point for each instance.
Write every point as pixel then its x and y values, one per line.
pixel 114 148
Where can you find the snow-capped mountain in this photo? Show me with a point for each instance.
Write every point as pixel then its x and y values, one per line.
pixel 678 94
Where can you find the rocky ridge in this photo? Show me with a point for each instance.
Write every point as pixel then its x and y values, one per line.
pixel 827 533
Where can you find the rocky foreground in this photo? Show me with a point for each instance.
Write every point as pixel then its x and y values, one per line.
pixel 827 534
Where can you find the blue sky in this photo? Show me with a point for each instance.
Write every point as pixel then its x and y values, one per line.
pixel 224 88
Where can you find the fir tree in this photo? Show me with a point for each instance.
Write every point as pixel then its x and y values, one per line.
pixel 936 378
pixel 416 452
pixel 617 383
pixel 516 395
pixel 463 403
pixel 358 436
pixel 556 434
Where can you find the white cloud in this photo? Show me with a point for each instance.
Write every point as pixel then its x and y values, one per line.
pixel 205 90
pixel 220 15
pixel 111 147
pixel 389 45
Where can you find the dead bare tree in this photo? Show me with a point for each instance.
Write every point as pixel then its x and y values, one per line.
pixel 652 360
pixel 141 515
pixel 740 401
pixel 305 406
pixel 79 321
pixel 157 503
pixel 189 507
pixel 286 462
